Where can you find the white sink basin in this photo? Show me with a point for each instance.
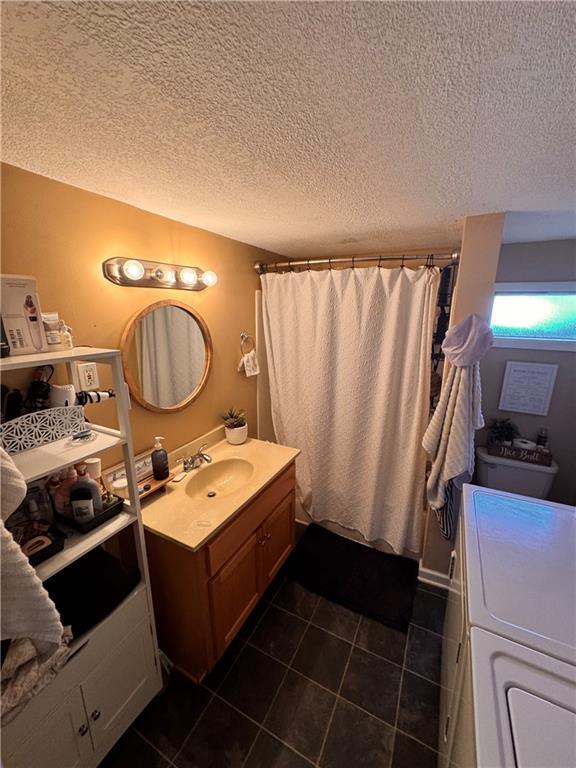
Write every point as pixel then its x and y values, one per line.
pixel 220 478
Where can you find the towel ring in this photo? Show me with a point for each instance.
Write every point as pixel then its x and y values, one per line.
pixel 246 338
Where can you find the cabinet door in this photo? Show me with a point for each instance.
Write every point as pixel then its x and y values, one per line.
pixel 61 741
pixel 120 687
pixel 278 538
pixel 234 592
pixel 455 633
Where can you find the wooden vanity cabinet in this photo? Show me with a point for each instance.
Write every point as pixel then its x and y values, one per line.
pixel 202 598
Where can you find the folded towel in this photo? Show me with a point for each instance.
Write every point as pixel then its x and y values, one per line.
pixel 28 614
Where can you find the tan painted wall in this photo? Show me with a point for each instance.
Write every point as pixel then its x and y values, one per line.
pixel 61 235
pixel 527 262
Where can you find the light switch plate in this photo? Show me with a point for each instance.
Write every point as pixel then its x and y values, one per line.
pixel 88 375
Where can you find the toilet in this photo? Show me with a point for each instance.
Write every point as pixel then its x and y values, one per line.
pixel 514 476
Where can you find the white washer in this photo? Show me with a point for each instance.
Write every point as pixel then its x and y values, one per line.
pixel 521 567
pixel 524 705
pixel 518 709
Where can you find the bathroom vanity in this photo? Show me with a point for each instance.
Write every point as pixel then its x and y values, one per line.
pixel 215 541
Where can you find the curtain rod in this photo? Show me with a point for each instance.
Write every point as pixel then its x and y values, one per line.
pixel 261 267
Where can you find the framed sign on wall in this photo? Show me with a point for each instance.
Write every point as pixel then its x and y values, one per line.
pixel 527 387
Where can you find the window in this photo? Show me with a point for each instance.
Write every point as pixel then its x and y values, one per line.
pixel 535 315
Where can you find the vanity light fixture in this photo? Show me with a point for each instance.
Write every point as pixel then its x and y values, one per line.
pixel 152 274
pixel 209 278
pixel 188 276
pixel 133 269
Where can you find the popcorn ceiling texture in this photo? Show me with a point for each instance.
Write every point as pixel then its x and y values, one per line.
pixel 304 128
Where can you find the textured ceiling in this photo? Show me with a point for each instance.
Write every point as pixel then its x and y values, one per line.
pixel 305 128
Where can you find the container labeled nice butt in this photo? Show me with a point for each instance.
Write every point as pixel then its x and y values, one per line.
pixel 21 317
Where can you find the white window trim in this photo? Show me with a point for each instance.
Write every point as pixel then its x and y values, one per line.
pixel 557 345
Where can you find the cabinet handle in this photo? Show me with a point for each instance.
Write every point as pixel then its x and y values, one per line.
pixel 452 563
pixel 96 714
pixel 83 730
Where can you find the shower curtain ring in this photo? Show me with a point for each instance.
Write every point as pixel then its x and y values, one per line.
pixel 329 262
pixel 353 262
pixel 379 262
pixel 308 264
pixel 402 265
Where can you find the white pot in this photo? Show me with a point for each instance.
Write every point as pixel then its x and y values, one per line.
pixel 236 436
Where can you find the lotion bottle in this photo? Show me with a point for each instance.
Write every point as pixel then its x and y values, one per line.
pixel 160 468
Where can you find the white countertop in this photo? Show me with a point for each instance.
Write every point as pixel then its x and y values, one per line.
pixel 183 517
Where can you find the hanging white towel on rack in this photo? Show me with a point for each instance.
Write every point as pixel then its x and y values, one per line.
pixel 449 438
pixel 249 363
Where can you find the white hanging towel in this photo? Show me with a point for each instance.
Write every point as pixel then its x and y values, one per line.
pixel 29 617
pixel 249 363
pixel 449 438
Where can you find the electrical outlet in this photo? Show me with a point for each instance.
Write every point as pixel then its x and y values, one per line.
pixel 87 375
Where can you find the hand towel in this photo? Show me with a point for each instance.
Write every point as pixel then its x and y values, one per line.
pixel 27 612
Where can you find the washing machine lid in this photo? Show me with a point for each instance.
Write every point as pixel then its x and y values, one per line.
pixel 521 563
pixel 524 705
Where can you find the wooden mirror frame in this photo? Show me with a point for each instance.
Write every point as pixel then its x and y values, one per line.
pixel 128 338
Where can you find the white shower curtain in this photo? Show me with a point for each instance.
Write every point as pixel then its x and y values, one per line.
pixel 349 359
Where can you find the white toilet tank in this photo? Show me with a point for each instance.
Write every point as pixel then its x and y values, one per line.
pixel 514 476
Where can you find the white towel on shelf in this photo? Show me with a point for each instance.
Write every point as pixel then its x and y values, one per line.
pixel 28 616
pixel 449 438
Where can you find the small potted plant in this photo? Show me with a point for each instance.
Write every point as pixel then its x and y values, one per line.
pixel 235 426
pixel 503 431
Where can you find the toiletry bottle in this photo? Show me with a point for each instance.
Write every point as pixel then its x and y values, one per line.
pixel 82 503
pixel 160 468
pixel 62 494
pixel 65 335
pixel 33 321
pixel 84 481
pixel 542 439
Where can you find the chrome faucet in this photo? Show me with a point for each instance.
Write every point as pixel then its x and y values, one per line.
pixel 196 460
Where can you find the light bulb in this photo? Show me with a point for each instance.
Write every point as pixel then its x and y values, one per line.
pixel 165 275
pixel 133 269
pixel 188 276
pixel 209 278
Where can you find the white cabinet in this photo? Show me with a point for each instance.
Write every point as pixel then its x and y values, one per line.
pixel 454 648
pixel 100 700
pixel 114 670
pixel 61 741
pixel 120 687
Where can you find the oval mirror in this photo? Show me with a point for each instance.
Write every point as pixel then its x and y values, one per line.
pixel 167 355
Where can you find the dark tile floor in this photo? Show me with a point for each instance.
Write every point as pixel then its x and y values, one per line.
pixel 307 683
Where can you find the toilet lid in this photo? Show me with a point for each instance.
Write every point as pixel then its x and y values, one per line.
pixel 522 569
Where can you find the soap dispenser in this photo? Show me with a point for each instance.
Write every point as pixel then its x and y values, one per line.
pixel 160 468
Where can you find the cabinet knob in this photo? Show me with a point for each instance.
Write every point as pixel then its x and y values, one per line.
pixel 83 730
pixel 96 714
pixel 268 536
